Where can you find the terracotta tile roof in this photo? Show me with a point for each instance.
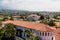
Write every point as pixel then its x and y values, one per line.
pixel 36 26
pixel 31 25
pixel 57 24
pixel 57 34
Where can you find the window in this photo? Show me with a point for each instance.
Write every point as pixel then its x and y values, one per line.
pixel 42 33
pixel 52 38
pixel 45 33
pixel 48 33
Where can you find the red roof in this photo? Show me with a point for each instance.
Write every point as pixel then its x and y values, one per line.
pixel 57 24
pixel 31 25
pixel 57 34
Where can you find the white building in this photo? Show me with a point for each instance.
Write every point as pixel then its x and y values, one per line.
pixel 33 17
pixel 43 31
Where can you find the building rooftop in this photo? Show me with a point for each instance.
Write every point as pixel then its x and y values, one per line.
pixel 31 25
pixel 57 24
pixel 34 15
pixel 57 34
pixel 36 26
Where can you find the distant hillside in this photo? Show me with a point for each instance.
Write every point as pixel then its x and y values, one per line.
pixel 3 11
pixel 11 11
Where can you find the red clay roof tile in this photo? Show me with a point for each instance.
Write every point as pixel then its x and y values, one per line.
pixel 31 25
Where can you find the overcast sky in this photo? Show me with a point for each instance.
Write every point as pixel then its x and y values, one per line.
pixel 32 5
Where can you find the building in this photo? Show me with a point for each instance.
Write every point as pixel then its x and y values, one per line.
pixel 33 17
pixel 57 24
pixel 46 16
pixel 16 17
pixel 57 33
pixel 43 31
pixel 58 17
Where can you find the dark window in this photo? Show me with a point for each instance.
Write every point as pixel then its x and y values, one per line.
pixel 45 34
pixel 52 38
pixel 48 34
pixel 40 33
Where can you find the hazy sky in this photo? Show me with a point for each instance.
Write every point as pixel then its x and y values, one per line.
pixel 32 5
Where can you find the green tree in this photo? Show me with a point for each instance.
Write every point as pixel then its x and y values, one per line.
pixel 42 17
pixel 11 18
pixel 36 38
pixel 10 32
pixel 28 33
pixel 55 17
pixel 51 23
pixel 0 23
pixel 5 18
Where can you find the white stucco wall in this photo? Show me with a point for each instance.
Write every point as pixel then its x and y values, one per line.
pixel 43 37
pixel 46 37
pixel 32 18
